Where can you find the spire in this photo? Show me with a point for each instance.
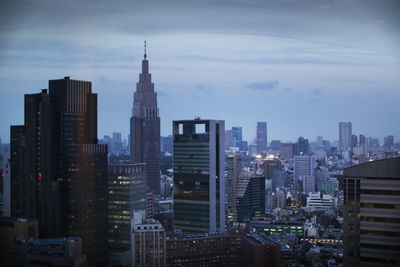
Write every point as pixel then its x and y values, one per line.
pixel 145 55
pixel 145 63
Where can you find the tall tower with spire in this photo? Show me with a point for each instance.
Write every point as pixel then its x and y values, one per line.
pixel 145 127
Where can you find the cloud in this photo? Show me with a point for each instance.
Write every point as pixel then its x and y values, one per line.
pixel 264 86
pixel 163 93
pixel 201 86
pixel 204 89
pixel 325 6
pixel 317 91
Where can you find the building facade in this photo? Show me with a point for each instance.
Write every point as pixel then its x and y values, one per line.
pixel 199 175
pixel 233 169
pixel 235 248
pixel 59 172
pixel 302 146
pixel 145 128
pixel 303 165
pixel 126 192
pixel 148 243
pixel 237 136
pixel 251 202
pixel 261 137
pixel 345 134
pixel 371 214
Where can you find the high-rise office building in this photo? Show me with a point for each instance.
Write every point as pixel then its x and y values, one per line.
pixel 302 146
pixel 278 179
pixel 275 145
pixel 116 144
pixel 287 150
pixel 199 175
pixel 86 207
pixel 145 128
pixel 233 169
pixel 303 165
pixel 345 135
pixel 388 143
pixel 362 140
pixel 308 183
pixel 59 172
pixel 18 192
pixel 251 201
pixel 371 214
pixel 354 140
pixel 5 184
pixel 228 139
pixel 166 144
pixel 243 146
pixel 261 138
pixel 237 136
pixel 271 165
pixel 127 187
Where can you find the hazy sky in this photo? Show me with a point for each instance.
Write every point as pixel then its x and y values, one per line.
pixel 301 66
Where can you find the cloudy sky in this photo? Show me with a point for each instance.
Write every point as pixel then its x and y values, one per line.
pixel 302 66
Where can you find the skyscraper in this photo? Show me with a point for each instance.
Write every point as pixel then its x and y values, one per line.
pixel 303 165
pixel 18 191
pixel 237 136
pixel 302 146
pixel 59 172
pixel 126 192
pixel 228 139
pixel 251 201
pixel 5 184
pixel 145 128
pixel 388 143
pixel 308 183
pixel 233 169
pixel 261 138
pixel 270 166
pixel 345 135
pixel 199 175
pixel 362 140
pixel 371 214
pixel 116 144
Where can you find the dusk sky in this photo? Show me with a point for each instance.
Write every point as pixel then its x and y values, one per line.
pixel 301 66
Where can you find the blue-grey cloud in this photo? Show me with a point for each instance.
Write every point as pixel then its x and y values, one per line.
pixel 317 92
pixel 264 86
pixel 204 90
pixel 163 93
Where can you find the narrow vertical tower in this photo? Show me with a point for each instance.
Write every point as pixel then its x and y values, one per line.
pixel 199 175
pixel 145 127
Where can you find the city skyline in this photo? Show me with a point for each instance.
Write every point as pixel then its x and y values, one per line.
pixel 299 67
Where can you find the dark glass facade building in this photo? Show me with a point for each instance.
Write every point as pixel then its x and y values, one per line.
pixel 126 192
pixel 199 175
pixel 18 192
pixel 252 202
pixel 60 171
